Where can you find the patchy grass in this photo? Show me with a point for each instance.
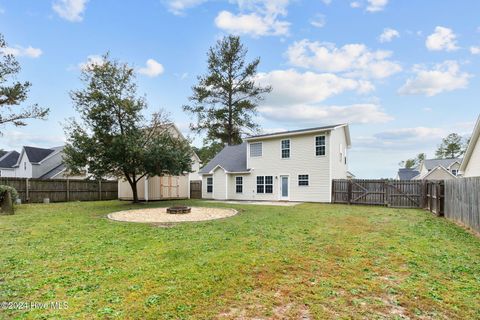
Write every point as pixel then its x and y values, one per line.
pixel 312 261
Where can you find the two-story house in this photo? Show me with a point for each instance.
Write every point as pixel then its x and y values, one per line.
pixel 438 169
pixel 295 165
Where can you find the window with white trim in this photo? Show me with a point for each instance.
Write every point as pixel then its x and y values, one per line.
pixel 285 149
pixel 256 149
pixel 239 184
pixel 209 184
pixel 320 145
pixel 264 184
pixel 303 180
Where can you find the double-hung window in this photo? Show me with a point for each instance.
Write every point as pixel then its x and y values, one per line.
pixel 285 149
pixel 209 185
pixel 303 180
pixel 264 184
pixel 239 184
pixel 320 145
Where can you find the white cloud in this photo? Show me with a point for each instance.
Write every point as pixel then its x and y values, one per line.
pixel 251 23
pixel 355 4
pixel 92 60
pixel 319 21
pixel 71 10
pixel 415 134
pixel 256 18
pixel 310 115
pixel 17 139
pixel 351 59
pixel 327 2
pixel 388 35
pixel 152 69
pixel 178 7
pixel 376 5
pixel 20 51
pixel 475 50
pixel 291 87
pixel 442 77
pixel 443 39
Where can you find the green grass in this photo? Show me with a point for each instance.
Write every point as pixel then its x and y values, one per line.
pixel 312 261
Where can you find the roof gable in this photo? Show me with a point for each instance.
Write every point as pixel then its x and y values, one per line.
pixel 446 163
pixel 9 159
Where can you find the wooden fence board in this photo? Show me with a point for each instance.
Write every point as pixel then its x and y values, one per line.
pixel 61 190
pixel 462 201
pixel 394 193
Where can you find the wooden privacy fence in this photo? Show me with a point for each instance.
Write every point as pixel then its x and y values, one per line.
pixel 392 193
pixel 462 201
pixel 62 190
pixel 434 197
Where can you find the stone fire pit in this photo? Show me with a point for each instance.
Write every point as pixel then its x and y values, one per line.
pixel 179 210
pixel 162 216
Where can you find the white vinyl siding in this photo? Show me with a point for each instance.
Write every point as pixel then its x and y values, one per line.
pixel 256 149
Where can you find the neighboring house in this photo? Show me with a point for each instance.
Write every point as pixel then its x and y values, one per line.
pixel 288 166
pixel 165 187
pixel 471 162
pixel 41 163
pixel 438 169
pixel 7 160
pixel 406 174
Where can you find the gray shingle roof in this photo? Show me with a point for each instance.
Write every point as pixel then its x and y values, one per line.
pixel 331 127
pixel 231 158
pixel 9 159
pixel 52 173
pixel 35 154
pixel 433 163
pixel 407 174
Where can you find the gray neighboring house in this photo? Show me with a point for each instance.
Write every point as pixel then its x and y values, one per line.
pixel 41 163
pixel 7 160
pixel 439 169
pixel 407 174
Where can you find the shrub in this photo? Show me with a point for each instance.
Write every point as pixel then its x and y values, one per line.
pixel 13 192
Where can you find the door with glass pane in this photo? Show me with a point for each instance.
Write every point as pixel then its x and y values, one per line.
pixel 284 188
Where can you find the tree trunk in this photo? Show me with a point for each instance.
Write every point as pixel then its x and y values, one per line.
pixel 133 185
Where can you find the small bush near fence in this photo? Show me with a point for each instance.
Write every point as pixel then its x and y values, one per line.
pixel 62 190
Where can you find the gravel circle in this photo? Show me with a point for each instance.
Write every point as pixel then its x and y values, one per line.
pixel 160 215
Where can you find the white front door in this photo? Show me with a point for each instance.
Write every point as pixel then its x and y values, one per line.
pixel 284 188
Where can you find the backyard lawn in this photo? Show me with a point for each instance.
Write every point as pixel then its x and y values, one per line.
pixel 311 261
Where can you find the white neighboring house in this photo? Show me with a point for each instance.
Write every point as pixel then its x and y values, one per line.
pixel 165 187
pixel 286 166
pixel 7 160
pixel 438 169
pixel 37 163
pixel 471 162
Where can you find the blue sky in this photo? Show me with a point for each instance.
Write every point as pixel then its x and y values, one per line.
pixel 402 73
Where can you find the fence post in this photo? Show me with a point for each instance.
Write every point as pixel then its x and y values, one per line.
pixel 68 190
pixel 27 197
pixel 99 189
pixel 349 194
